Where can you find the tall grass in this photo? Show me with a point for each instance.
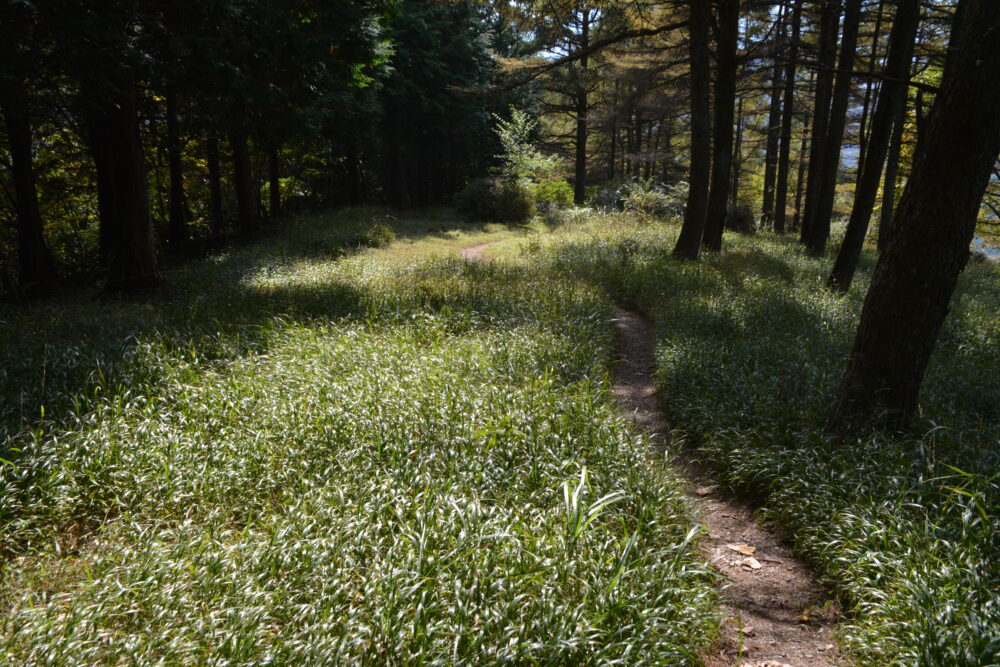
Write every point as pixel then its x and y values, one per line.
pixel 312 457
pixel 906 529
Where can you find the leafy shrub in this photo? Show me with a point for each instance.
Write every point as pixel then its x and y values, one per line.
pixel 378 236
pixel 552 192
pixel 495 200
pixel 646 198
pixel 740 219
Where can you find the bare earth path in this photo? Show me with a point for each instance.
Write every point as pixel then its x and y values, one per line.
pixel 775 614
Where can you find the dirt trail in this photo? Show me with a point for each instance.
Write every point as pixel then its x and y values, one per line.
pixel 475 252
pixel 775 614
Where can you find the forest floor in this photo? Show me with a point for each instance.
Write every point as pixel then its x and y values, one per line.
pixel 308 431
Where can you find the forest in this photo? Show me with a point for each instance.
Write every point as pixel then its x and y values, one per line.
pixel 495 331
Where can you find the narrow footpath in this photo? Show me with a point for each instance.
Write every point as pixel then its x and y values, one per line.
pixel 775 613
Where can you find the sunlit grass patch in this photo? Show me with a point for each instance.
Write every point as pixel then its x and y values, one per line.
pixel 337 458
pixel 751 347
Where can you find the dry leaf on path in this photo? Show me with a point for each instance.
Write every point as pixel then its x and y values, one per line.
pixel 742 548
pixel 703 490
pixel 752 563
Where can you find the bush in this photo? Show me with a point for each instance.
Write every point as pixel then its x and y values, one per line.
pixel 495 200
pixel 552 192
pixel 378 235
pixel 647 198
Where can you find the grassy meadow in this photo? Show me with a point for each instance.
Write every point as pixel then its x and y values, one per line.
pixel 309 453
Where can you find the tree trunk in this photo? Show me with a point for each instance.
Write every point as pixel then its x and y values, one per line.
pixel 866 106
pixel 580 171
pixel 728 15
pixel 36 270
pixel 787 115
pixel 734 188
pixel 935 222
pixel 177 229
pixel 215 187
pixel 801 178
pixel 274 182
pixel 773 134
pixel 829 162
pixel 889 184
pixel 243 182
pixel 891 102
pixel 689 241
pixel 829 23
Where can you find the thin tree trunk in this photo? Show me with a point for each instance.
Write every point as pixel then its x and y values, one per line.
pixel 689 240
pixel 243 182
pixel 890 104
pixel 889 184
pixel 829 162
pixel 866 107
pixel 177 234
pixel 580 171
pixel 829 23
pixel 916 275
pixel 36 269
pixel 274 182
pixel 728 15
pixel 787 115
pixel 773 133
pixel 734 188
pixel 215 187
pixel 801 177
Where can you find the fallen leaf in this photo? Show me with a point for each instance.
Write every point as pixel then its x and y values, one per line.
pixel 753 563
pixel 703 490
pixel 742 548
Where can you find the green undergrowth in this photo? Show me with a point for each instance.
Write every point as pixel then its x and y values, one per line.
pixel 313 455
pixel 906 529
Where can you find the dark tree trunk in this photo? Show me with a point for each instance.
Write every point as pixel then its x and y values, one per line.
pixel 935 222
pixel 728 15
pixel 123 196
pixel 869 86
pixel 274 182
pixel 889 184
pixel 829 162
pixel 580 168
pixel 787 115
pixel 177 234
pixel 801 178
pixel 243 183
pixel 773 134
pixel 829 24
pixel 37 272
pixel 890 105
pixel 689 241
pixel 734 188
pixel 215 187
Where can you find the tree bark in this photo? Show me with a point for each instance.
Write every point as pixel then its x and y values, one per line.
pixel 728 15
pixel 773 134
pixel 829 24
pixel 869 86
pixel 891 102
pixel 889 183
pixel 243 182
pixel 37 271
pixel 915 277
pixel 177 234
pixel 214 187
pixel 829 162
pixel 787 115
pixel 689 240
pixel 580 170
pixel 274 181
pixel 123 195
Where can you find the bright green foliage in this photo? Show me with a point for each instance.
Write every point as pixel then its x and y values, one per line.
pixel 495 200
pixel 320 460
pixel 521 160
pixel 751 346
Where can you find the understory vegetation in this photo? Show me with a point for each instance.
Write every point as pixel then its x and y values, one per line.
pixel 905 528
pixel 310 452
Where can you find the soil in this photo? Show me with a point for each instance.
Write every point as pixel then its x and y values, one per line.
pixel 775 615
pixel 475 252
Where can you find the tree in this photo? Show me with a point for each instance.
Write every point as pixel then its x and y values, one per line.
pixel 787 115
pixel 689 240
pixel 728 15
pixel 890 105
pixel 916 275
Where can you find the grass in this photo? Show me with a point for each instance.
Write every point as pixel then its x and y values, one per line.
pixel 310 453
pixel 906 529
